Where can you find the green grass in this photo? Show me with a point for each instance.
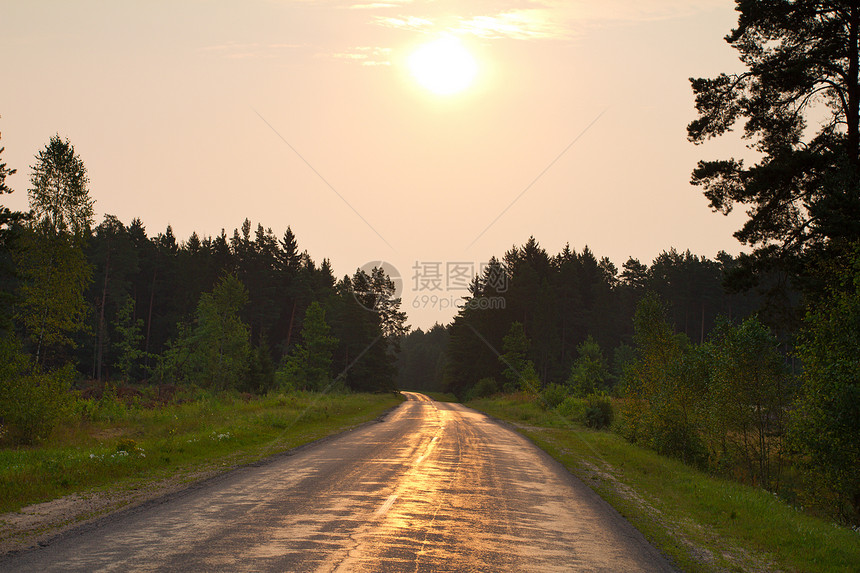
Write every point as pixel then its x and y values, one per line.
pixel 702 522
pixel 179 439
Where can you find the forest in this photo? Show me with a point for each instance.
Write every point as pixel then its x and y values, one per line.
pixel 91 307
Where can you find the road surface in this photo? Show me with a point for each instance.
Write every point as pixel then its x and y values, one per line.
pixel 434 487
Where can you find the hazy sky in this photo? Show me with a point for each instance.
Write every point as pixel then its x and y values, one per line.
pixel 199 114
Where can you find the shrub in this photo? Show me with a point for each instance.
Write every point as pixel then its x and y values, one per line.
pixel 573 409
pixel 485 387
pixel 674 436
pixel 32 402
pixel 553 395
pixel 598 411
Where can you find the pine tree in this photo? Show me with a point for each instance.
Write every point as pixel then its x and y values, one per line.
pixel 802 61
pixel 9 220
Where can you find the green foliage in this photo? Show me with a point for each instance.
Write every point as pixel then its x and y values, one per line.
pixel 648 385
pixel 561 299
pixel 623 361
pixel 720 404
pixel 32 402
pixel 261 370
pixel 484 388
pixel 129 351
pixel 598 411
pixel 52 264
pixel 52 307
pixel 826 421
pixel 309 367
pixel 368 325
pixel 748 399
pixel 659 410
pixel 215 352
pixel 554 394
pixel 573 409
pixel 589 373
pixel 58 194
pixel 518 370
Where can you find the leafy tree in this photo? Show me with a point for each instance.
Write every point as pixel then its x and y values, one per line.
pixel 376 292
pixel 748 397
pixel 519 371
pixel 59 195
pixel 52 262
pixel 801 61
pixel 129 343
pixel 656 410
pixel 623 360
pixel 310 364
pixel 589 373
pixel 215 351
pixel 825 426
pixel 52 306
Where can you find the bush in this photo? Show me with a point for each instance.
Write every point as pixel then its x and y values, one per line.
pixel 32 402
pixel 484 388
pixel 553 395
pixel 676 437
pixel 573 409
pixel 107 408
pixel 598 411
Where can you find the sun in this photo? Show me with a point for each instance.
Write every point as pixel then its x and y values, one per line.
pixel 443 66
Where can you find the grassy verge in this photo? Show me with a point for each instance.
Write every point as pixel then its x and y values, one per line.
pixel 703 523
pixel 147 444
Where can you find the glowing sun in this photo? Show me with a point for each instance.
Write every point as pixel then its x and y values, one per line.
pixel 443 66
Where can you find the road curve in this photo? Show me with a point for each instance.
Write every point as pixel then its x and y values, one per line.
pixel 435 487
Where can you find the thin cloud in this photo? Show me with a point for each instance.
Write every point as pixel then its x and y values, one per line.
pixel 538 19
pixel 413 23
pixel 365 55
pixel 519 25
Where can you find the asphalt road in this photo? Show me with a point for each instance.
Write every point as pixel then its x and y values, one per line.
pixel 435 487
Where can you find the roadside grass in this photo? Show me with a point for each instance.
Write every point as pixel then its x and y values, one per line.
pixel 702 522
pixel 140 444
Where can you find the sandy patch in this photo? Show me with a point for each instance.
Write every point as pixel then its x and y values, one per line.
pixel 36 524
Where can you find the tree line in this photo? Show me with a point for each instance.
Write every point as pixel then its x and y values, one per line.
pixel 111 303
pixel 561 301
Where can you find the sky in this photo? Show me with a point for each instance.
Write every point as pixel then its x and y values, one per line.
pixel 200 113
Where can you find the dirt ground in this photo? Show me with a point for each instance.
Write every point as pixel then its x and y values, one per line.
pixel 36 524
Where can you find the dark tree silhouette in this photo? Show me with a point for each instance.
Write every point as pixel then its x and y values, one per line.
pixel 802 64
